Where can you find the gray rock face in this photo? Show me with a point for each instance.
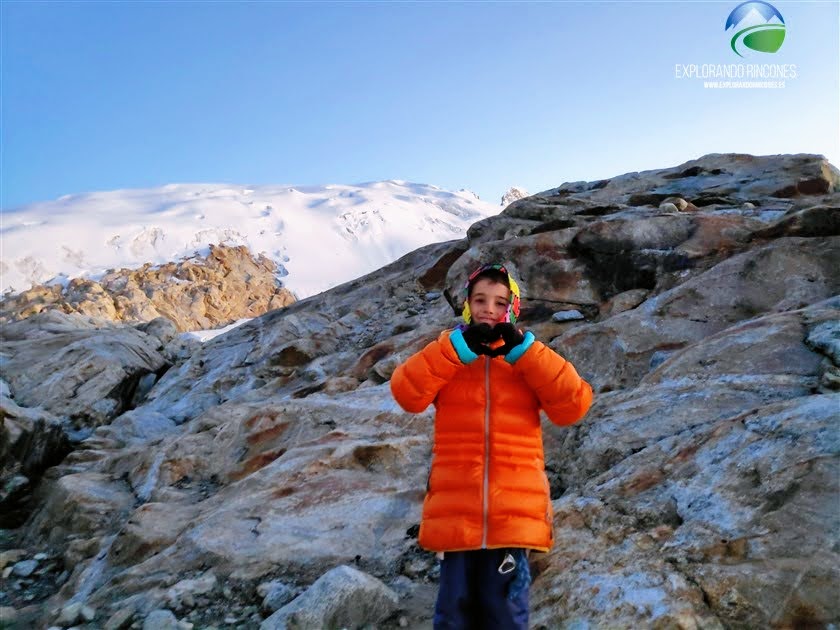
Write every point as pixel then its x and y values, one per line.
pixel 343 597
pixel 30 441
pixel 707 526
pixel 63 375
pixel 698 491
pixel 76 367
pixel 275 594
pixel 782 275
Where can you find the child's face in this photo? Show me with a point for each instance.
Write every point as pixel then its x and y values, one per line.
pixel 488 302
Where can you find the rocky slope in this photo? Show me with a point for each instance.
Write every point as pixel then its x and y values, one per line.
pixel 198 293
pixel 242 480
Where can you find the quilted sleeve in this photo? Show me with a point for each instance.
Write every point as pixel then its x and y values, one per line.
pixel 563 394
pixel 416 383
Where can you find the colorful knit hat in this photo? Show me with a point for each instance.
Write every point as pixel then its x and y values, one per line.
pixel 513 307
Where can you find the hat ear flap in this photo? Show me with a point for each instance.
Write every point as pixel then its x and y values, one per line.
pixel 466 313
pixel 514 287
pixel 513 309
pixel 514 306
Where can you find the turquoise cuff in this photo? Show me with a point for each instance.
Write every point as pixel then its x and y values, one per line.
pixel 514 355
pixel 466 355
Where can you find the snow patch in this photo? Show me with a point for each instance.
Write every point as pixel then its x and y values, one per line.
pixel 207 335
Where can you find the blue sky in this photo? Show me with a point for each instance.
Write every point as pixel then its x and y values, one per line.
pixel 477 95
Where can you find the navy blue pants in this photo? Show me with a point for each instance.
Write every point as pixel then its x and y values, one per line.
pixel 473 594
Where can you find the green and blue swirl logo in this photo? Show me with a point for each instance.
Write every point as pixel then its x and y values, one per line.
pixel 758 26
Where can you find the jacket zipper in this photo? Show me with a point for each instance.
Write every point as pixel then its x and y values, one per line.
pixel 485 501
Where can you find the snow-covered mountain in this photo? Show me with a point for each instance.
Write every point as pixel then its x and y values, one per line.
pixel 514 193
pixel 319 236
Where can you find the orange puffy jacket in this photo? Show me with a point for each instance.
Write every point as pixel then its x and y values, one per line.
pixel 487 486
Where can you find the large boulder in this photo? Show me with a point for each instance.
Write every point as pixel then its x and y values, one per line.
pixel 75 367
pixel 343 597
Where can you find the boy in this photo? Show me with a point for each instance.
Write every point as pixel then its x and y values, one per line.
pixel 487 499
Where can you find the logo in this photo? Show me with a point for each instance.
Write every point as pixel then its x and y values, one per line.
pixel 758 26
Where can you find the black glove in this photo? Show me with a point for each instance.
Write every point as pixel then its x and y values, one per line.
pixel 511 336
pixel 477 338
